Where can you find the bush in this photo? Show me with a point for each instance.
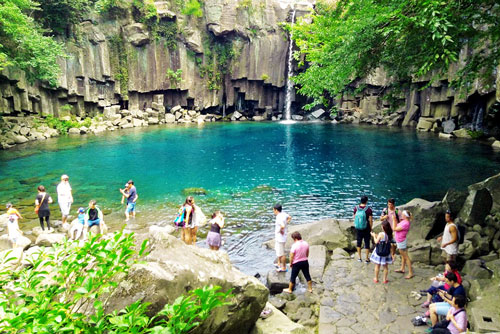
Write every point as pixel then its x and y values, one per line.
pixel 192 8
pixel 66 290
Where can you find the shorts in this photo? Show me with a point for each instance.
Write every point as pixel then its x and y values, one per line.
pixel 363 235
pixel 94 222
pixel 130 207
pixel 402 245
pixel 442 308
pixel 65 207
pixel 280 248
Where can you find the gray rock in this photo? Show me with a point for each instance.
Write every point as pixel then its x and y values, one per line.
pixel 448 126
pixel 48 240
pixel 277 281
pixel 476 270
pixel 454 200
pixel 172 268
pixel 318 113
pixel 169 118
pixel 277 323
pixel 297 117
pixel 317 261
pixel 74 131
pixel 137 34
pixel 496 144
pixel 425 124
pixel 19 139
pixel 476 207
pixel 461 133
pixel 175 109
pixel 258 118
pixel 236 115
pixel 446 135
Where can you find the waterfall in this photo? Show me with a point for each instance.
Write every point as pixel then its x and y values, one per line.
pixel 477 117
pixel 289 82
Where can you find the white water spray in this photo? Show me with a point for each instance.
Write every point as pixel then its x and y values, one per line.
pixel 289 82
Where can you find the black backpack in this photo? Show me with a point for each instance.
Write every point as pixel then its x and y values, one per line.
pixel 461 233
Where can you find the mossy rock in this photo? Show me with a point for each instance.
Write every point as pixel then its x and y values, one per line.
pixel 263 188
pixel 31 181
pixel 194 191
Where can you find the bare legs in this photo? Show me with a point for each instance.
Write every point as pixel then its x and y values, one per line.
pixel 291 285
pixel 377 271
pixel 405 260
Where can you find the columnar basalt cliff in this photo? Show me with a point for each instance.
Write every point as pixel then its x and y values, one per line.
pixel 234 56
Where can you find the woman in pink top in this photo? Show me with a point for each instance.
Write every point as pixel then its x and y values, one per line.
pixel 298 262
pixel 401 231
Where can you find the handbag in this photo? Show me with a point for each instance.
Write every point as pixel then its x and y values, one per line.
pixel 384 247
pixel 179 220
pixel 37 207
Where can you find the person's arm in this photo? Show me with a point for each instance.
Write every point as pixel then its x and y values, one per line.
pixel 188 213
pixel 70 195
pixel 288 219
pixel 18 214
pixel 452 319
pixel 220 221
pixel 377 237
pixel 123 199
pixel 50 201
pixel 370 219
pixel 136 197
pixel 124 193
pixel 291 259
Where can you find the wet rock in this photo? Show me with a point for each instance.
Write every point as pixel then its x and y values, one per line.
pixel 258 118
pixel 74 131
pixel 446 135
pixel 194 191
pixel 19 139
pixel 318 113
pixel 297 117
pixel 461 133
pixel 425 124
pixel 172 268
pixel 160 232
pixel 277 281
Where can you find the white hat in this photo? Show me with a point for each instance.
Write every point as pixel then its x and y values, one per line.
pixel 64 177
pixel 406 214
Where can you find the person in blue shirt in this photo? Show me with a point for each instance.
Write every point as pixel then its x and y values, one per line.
pixel 130 193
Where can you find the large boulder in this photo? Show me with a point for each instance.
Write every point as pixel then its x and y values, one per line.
pixel 428 218
pixel 331 233
pixel 172 268
pixel 477 205
pixel 454 200
pixel 22 242
pixel 277 323
pixel 46 239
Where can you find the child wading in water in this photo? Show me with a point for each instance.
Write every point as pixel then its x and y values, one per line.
pixel 382 254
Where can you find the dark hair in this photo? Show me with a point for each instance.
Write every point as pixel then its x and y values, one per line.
pixel 364 199
pixel 296 236
pixel 215 214
pixel 448 212
pixel 41 188
pixel 92 202
pixel 8 205
pixel 387 229
pixel 278 207
pixel 451 277
pixel 130 182
pixel 453 264
pixel 460 301
pixel 391 200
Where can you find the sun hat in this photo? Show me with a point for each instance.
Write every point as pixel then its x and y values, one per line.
pixel 64 177
pixel 81 210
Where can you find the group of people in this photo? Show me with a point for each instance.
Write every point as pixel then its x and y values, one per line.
pixel 446 297
pixel 189 219
pixel 87 217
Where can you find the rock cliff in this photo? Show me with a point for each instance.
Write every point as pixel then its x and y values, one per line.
pixel 233 57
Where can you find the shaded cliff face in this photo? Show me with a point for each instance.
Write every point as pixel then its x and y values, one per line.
pixel 235 54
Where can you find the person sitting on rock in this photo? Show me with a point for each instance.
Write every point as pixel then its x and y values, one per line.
pixel 382 254
pixel 12 224
pixel 94 216
pixel 439 283
pixel 363 222
pixel 456 318
pixel 299 254
pixel 442 308
pixel 77 229
pixel 449 240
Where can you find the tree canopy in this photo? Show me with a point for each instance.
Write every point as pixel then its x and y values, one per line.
pixel 348 39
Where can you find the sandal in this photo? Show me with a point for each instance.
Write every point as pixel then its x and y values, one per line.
pixel 399 271
pixel 281 270
pixel 386 281
pixel 409 277
pixel 375 280
pixel 266 313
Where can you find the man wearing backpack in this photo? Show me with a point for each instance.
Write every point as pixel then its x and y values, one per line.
pixel 363 222
pixel 450 239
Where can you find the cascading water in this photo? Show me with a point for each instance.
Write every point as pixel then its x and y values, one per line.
pixel 477 118
pixel 289 83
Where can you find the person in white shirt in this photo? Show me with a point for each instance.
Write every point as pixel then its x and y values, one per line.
pixel 64 197
pixel 282 220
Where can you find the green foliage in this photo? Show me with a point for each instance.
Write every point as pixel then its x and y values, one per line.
pixel 57 15
pixel 66 283
pixel 245 4
pixel 192 8
pixel 218 56
pixel 61 125
pixel 23 44
pixel 175 77
pixel 144 11
pixel 111 7
pixel 119 63
pixel 476 134
pixel 414 38
pixel 265 77
pixel 167 30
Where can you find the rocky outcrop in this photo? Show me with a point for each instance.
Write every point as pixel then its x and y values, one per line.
pixel 232 58
pixel 172 268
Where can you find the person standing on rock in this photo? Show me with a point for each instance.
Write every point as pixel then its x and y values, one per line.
pixel 198 218
pixel 64 197
pixel 187 209
pixel 363 222
pixel 130 193
pixel 280 230
pixel 449 240
pixel 299 254
pixel 12 224
pixel 42 202
pixel 401 231
pixel 381 255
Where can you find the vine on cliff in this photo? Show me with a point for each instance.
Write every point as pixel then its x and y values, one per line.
pixel 218 54
pixel 119 63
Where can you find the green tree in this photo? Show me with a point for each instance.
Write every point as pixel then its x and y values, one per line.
pixel 23 44
pixel 58 15
pixel 409 38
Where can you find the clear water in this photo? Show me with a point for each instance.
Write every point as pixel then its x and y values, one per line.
pixel 315 170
